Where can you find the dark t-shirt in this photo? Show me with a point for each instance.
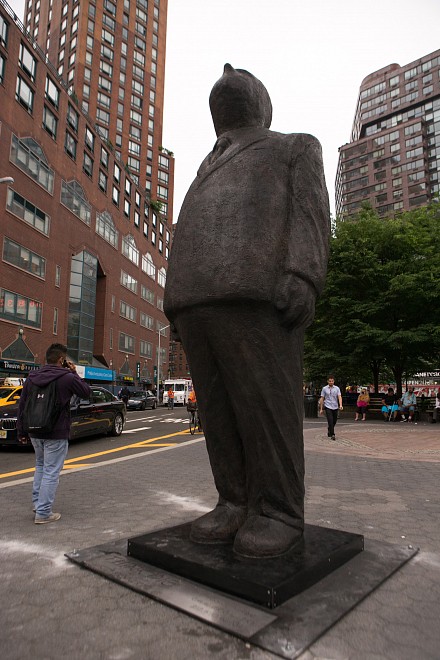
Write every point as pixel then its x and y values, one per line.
pixel 390 399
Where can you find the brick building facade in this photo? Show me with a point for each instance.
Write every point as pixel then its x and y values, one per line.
pixel 393 158
pixel 84 246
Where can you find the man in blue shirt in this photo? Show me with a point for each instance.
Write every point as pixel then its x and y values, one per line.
pixel 331 401
pixel 409 403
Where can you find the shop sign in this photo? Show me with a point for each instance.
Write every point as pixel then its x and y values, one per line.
pixel 11 365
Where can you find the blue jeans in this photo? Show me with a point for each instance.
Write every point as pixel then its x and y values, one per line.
pixel 49 460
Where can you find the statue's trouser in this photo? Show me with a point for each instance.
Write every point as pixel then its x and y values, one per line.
pixel 247 373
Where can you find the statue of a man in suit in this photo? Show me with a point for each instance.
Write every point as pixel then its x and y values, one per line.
pixel 248 259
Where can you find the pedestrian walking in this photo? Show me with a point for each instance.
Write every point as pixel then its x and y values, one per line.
pixel 171 398
pixel 44 415
pixel 330 401
pixel 124 395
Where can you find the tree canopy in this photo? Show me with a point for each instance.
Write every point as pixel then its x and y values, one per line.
pixel 379 312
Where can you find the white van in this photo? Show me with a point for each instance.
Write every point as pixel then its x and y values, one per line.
pixel 181 388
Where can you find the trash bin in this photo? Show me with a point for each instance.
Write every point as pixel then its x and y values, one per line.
pixel 310 406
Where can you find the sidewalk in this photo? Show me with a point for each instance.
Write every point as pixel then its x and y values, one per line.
pixel 377 479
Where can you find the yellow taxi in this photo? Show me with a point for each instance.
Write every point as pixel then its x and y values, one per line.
pixel 9 394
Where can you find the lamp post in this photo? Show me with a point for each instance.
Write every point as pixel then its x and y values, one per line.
pixel 158 360
pixel 7 179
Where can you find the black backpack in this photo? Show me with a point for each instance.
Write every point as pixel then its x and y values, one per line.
pixel 41 410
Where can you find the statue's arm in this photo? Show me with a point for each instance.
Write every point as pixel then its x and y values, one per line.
pixel 306 243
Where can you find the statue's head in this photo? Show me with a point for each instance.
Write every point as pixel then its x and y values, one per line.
pixel 239 100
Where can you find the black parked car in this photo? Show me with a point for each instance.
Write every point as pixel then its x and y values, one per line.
pixel 140 399
pixel 103 413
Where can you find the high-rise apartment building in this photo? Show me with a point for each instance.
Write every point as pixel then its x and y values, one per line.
pixel 84 245
pixel 393 158
pixel 112 56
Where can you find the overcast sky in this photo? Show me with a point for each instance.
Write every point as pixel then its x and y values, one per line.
pixel 310 54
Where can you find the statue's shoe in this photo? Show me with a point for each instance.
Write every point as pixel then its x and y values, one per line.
pixel 219 525
pixel 261 537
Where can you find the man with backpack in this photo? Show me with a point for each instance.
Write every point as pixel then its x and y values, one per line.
pixel 44 416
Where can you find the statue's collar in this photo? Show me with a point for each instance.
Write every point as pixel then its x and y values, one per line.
pixel 228 145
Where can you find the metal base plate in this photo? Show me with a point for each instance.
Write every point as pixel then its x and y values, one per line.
pixel 268 582
pixel 287 631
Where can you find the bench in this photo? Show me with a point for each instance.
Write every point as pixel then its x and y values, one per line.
pixel 429 407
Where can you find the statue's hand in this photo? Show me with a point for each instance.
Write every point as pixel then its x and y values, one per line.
pixel 296 302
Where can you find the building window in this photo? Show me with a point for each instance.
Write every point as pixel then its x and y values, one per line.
pixel 107 53
pixel 82 306
pixel 19 256
pixel 102 181
pixel 147 294
pixel 126 343
pixel 127 311
pixel 147 321
pixel 127 206
pixel 4 27
pixel 134 164
pixel 105 227
pixel 104 157
pixel 58 276
pixel 70 145
pixel 20 309
pixel 129 249
pixel 148 266
pixel 105 84
pixel 115 196
pixel 164 161
pixel 129 282
pixel 25 210
pixel 103 116
pixel 146 349
pixel 134 148
pixel 52 92
pixel 138 87
pixel 160 304
pixel 55 321
pixel 72 118
pixel 106 68
pixel 108 37
pixel 50 122
pixel 89 139
pixel 73 198
pixel 88 165
pixel 28 156
pixel 161 277
pixel 2 68
pixel 27 62
pixel 136 117
pixel 24 94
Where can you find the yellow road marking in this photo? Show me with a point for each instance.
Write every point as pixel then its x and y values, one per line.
pixel 70 461
pixel 66 467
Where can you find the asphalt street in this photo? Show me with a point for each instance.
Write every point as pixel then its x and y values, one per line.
pixel 377 479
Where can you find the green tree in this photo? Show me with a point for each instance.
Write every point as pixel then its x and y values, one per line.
pixel 379 310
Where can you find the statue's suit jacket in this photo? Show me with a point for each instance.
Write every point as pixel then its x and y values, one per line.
pixel 254 222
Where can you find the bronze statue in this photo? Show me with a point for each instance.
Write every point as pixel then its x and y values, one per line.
pixel 249 258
